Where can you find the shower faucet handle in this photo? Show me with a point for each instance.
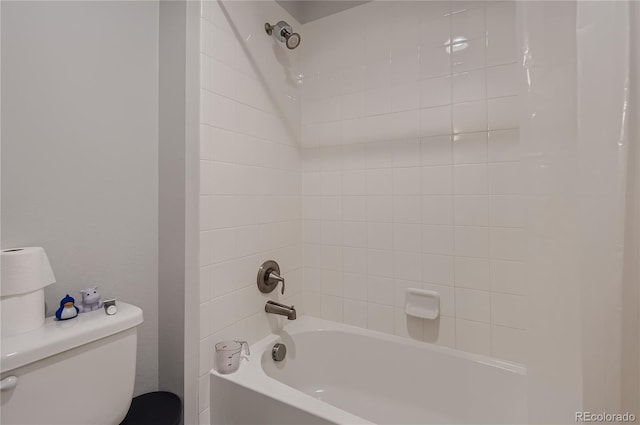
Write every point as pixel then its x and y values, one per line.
pixel 269 277
pixel 273 276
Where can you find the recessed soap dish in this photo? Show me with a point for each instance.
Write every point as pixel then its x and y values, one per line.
pixel 422 303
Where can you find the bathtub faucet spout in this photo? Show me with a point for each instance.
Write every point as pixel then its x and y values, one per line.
pixel 281 309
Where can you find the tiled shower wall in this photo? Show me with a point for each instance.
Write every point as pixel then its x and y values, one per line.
pixel 411 174
pixel 249 174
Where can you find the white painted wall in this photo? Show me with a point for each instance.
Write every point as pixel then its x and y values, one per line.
pixel 411 171
pixel 80 150
pixel 249 174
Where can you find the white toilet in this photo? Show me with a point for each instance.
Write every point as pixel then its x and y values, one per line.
pixel 78 371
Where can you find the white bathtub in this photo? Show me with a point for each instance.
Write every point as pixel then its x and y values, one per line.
pixel 334 373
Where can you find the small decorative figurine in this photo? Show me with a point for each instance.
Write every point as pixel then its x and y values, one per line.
pixel 67 309
pixel 90 300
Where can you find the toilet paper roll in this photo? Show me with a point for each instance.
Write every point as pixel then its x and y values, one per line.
pixel 22 313
pixel 24 270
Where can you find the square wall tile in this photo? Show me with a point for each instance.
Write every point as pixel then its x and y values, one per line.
pixel 469 86
pixel 407 237
pixel 379 155
pixel 473 305
pixel 436 150
pixel 331 183
pixel 472 273
pixel 437 209
pixel 406 181
pixel 354 208
pixel 380 208
pixel 355 313
pixel 437 180
pixel 332 308
pixel 435 62
pixel 507 244
pixel 380 182
pixel 436 121
pixel 406 153
pixel 506 211
pixel 354 260
pixel 470 117
pixel 380 318
pixel 353 105
pixel 379 235
pixel 405 68
pixel 380 290
pixel 355 286
pixel 331 281
pixel 378 101
pixel 508 277
pixel 435 92
pixel 471 210
pixel 470 148
pixel 437 239
pixel 405 97
pixel 472 241
pixel 438 269
pixel 470 179
pixel 375 257
pixel 406 265
pixel 474 337
pixel 354 182
pixel 407 209
pixel 354 234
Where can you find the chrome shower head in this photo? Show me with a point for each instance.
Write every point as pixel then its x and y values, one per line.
pixel 282 32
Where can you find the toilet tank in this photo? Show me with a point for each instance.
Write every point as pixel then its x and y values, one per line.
pixel 77 371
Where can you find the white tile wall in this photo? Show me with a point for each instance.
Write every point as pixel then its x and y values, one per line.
pixel 409 178
pixel 410 173
pixel 250 175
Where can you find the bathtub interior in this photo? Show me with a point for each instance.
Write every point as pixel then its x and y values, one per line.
pixel 389 381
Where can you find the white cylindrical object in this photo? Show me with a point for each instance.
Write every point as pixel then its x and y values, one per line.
pixel 24 270
pixel 22 313
pixel 227 356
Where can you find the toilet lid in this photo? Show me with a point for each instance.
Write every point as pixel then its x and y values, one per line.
pixel 57 336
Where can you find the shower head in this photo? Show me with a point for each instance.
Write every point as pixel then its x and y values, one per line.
pixel 283 33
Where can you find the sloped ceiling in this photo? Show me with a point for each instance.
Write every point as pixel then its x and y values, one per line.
pixel 310 10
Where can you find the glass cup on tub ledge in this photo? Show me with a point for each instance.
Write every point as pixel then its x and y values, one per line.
pixel 228 355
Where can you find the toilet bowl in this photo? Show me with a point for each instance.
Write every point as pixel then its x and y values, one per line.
pixel 78 371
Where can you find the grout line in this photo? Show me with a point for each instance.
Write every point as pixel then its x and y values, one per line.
pixel 453 212
pixel 486 88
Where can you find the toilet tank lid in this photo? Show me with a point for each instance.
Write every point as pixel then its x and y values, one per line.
pixel 57 336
